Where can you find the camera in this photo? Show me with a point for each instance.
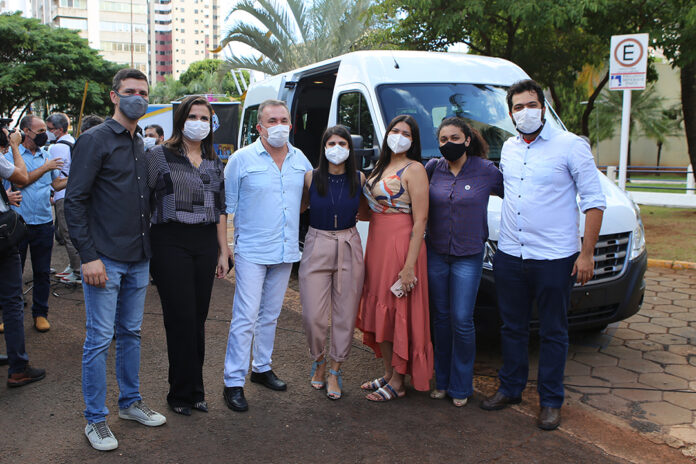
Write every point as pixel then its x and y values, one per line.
pixel 4 124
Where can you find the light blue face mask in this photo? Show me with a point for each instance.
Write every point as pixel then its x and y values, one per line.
pixel 132 106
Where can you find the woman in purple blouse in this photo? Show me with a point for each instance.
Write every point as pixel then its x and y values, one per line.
pixel 460 185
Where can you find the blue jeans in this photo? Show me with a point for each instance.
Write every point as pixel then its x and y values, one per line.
pixel 519 283
pixel 13 310
pixel 453 283
pixel 118 306
pixel 39 241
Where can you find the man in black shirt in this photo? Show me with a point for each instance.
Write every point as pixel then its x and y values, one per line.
pixel 107 211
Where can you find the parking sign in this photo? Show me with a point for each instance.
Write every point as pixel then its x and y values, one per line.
pixel 628 62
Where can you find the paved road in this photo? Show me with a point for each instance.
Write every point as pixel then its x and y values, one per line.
pixel 43 422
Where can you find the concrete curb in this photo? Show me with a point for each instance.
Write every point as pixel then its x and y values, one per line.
pixel 668 264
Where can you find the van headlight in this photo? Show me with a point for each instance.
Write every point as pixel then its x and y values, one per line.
pixel 638 240
pixel 638 237
pixel 489 250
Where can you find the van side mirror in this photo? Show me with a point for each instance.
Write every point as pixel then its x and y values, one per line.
pixel 357 141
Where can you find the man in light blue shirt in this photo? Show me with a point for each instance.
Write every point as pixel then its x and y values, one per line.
pixel 36 210
pixel 540 255
pixel 263 188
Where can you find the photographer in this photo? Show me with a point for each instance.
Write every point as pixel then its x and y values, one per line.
pixel 20 372
pixel 35 208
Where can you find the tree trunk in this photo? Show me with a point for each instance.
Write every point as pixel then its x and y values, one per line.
pixel 659 155
pixel 585 122
pixel 688 94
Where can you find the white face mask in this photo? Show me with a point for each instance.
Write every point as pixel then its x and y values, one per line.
pixel 336 154
pixel 51 136
pixel 278 135
pixel 528 120
pixel 398 143
pixel 196 130
pixel 149 142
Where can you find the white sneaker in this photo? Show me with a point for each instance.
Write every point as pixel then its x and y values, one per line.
pixel 141 413
pixel 71 278
pixel 66 272
pixel 100 436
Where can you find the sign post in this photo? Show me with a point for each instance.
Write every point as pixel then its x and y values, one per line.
pixel 628 65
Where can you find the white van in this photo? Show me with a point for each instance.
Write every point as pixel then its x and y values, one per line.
pixel 367 89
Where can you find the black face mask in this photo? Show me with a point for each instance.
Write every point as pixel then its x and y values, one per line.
pixel 40 139
pixel 453 151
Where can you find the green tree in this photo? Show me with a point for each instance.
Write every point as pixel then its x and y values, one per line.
pixel 649 117
pixel 211 76
pixel 167 90
pixel 291 34
pixel 553 40
pixel 42 63
pixel 675 33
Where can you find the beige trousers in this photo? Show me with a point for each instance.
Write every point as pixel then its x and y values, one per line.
pixel 331 278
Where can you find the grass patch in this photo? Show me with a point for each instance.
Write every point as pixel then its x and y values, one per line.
pixel 670 233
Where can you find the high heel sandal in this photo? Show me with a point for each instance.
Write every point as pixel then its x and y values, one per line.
pixel 316 384
pixel 335 395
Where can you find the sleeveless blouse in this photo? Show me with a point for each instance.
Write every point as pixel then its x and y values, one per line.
pixel 388 195
pixel 336 210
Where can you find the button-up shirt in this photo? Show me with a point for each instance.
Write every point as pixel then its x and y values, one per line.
pixel 265 202
pixel 540 216
pixel 62 151
pixel 35 207
pixel 458 212
pixel 107 200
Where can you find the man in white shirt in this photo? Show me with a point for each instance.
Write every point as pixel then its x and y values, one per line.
pixel 540 255
pixel 57 130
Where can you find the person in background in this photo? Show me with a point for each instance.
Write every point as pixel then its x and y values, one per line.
pixel 460 184
pixel 89 122
pixel 35 208
pixel 113 239
pixel 57 128
pixel 540 256
pixel 20 372
pixel 189 243
pixel 153 135
pixel 263 189
pixel 331 270
pixel 397 328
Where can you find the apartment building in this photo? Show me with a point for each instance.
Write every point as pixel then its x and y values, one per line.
pixel 181 32
pixel 117 28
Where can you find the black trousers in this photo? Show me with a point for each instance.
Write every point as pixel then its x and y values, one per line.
pixel 184 258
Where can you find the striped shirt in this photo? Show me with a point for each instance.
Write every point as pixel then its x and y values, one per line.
pixel 180 191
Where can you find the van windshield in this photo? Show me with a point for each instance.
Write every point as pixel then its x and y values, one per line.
pixel 484 107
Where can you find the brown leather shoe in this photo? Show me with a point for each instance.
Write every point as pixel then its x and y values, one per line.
pixel 498 401
pixel 41 324
pixel 549 418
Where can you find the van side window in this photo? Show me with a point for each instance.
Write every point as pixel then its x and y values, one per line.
pixel 354 113
pixel 249 132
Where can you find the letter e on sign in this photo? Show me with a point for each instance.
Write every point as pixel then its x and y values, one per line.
pixel 628 62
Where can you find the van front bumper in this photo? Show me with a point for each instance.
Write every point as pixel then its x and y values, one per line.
pixel 592 305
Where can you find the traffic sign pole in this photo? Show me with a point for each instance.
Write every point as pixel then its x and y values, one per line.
pixel 625 129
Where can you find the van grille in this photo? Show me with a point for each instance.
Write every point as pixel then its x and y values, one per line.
pixel 610 254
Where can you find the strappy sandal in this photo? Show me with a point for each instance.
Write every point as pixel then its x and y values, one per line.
pixel 386 393
pixel 374 384
pixel 335 395
pixel 316 384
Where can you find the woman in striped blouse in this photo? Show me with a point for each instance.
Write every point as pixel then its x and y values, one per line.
pixel 189 243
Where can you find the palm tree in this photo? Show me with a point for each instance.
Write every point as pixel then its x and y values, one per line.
pixel 292 35
pixel 647 112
